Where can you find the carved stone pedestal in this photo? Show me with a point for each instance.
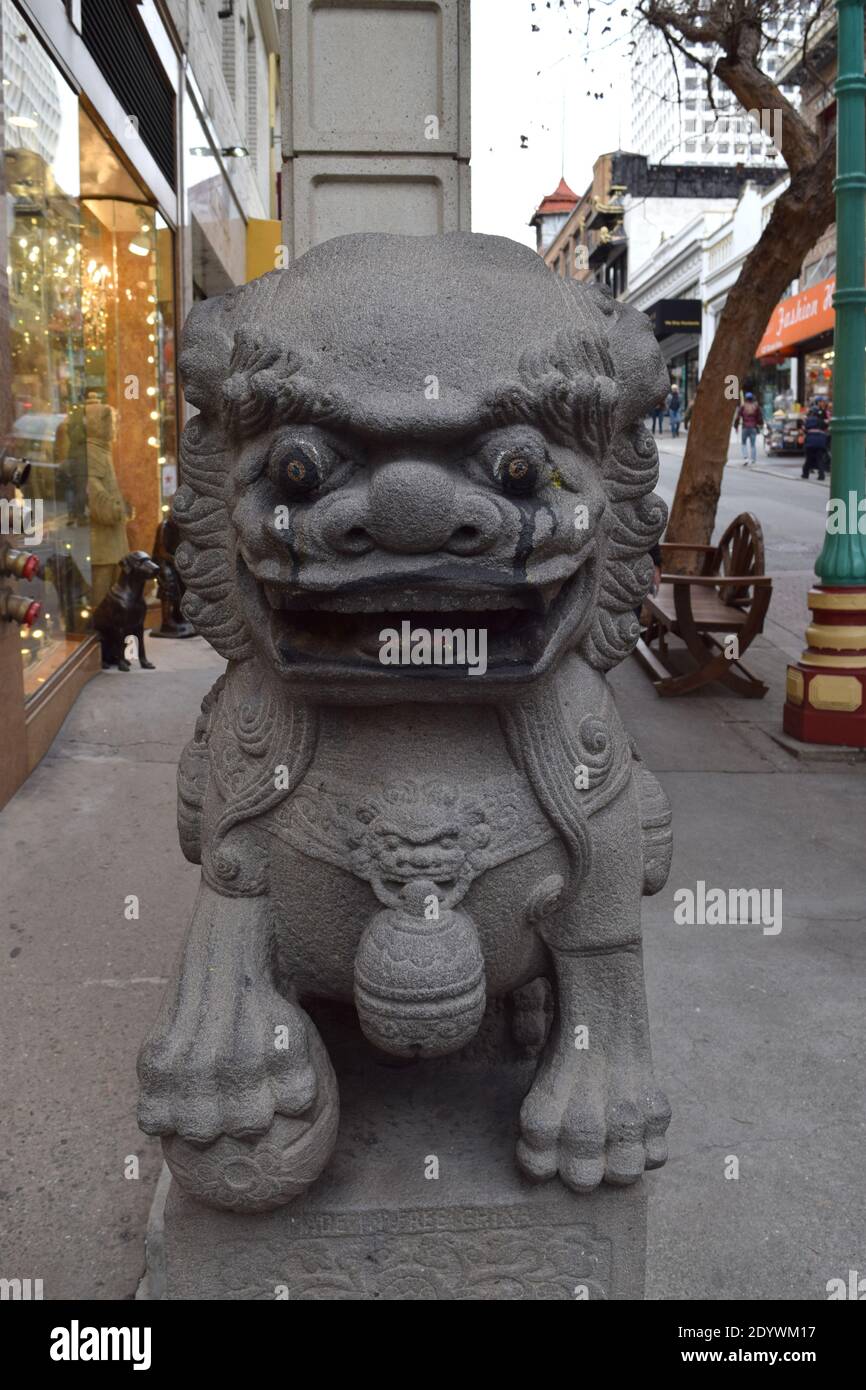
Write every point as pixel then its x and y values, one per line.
pixel 376 1226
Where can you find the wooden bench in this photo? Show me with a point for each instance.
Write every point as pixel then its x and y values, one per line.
pixel 729 597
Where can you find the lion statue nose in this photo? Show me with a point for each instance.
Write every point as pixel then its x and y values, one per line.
pixel 411 506
pixel 418 507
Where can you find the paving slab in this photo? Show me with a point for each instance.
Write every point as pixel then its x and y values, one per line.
pixel 81 981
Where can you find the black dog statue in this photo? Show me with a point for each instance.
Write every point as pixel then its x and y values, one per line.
pixel 121 613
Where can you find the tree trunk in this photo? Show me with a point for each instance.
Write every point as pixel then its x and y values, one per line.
pixel 800 216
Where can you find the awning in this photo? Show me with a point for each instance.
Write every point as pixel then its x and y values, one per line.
pixel 799 317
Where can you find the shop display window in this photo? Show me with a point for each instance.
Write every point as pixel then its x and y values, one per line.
pixel 818 376
pixel 92 347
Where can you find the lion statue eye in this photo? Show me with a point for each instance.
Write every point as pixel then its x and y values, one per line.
pixel 296 467
pixel 517 473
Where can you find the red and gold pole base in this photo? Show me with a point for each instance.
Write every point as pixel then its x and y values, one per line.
pixel 826 690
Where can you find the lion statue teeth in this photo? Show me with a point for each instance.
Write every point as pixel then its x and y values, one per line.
pixel 416 508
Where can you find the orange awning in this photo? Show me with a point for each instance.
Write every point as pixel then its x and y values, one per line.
pixel 802 316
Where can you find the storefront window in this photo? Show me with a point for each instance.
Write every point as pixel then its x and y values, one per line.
pixel 771 384
pixel 818 375
pixel 43 236
pixel 684 371
pixel 90 271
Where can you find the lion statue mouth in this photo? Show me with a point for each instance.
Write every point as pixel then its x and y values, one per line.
pixel 437 630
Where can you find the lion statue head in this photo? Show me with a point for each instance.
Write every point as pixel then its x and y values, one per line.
pixel 432 430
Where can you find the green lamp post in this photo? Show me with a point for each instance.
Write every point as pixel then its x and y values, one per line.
pixel 826 689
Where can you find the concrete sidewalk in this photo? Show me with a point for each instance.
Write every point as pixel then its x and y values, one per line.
pixel 788 466
pixel 758 1039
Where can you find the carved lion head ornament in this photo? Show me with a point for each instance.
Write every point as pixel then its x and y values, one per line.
pixel 436 429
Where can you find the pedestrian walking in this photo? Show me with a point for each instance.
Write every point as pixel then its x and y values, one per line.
pixel 674 406
pixel 817 442
pixel 750 418
pixel 658 416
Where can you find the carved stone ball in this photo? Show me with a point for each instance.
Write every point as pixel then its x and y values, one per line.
pixel 419 984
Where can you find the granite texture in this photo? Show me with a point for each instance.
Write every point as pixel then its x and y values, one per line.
pixel 433 437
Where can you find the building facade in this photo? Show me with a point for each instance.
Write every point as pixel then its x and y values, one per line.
pixel 641 229
pixel 139 174
pixel 800 334
pixel 681 115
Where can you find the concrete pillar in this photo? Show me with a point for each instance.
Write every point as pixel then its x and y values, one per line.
pixel 375 118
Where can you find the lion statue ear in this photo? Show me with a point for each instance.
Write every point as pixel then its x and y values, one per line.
pixel 205 556
pixel 209 337
pixel 205 350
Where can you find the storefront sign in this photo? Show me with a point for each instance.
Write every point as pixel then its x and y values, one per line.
pixel 802 316
pixel 676 316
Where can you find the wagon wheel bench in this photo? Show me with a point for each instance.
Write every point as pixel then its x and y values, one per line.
pixel 729 597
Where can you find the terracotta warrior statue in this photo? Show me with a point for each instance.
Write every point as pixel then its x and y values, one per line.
pixel 416 514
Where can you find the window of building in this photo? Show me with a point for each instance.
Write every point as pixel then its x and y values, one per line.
pixel 228 34
pixel 252 97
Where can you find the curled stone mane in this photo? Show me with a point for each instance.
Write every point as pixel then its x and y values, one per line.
pixel 585 397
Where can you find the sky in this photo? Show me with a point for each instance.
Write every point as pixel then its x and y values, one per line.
pixel 535 84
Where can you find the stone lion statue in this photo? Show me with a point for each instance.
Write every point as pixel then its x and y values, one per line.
pixel 434 444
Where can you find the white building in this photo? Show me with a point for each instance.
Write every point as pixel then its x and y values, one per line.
pixel 724 253
pixel 696 266
pixel 31 96
pixel 667 283
pixel 673 120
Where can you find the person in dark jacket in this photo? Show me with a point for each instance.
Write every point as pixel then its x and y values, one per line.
pixel 674 404
pixel 817 439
